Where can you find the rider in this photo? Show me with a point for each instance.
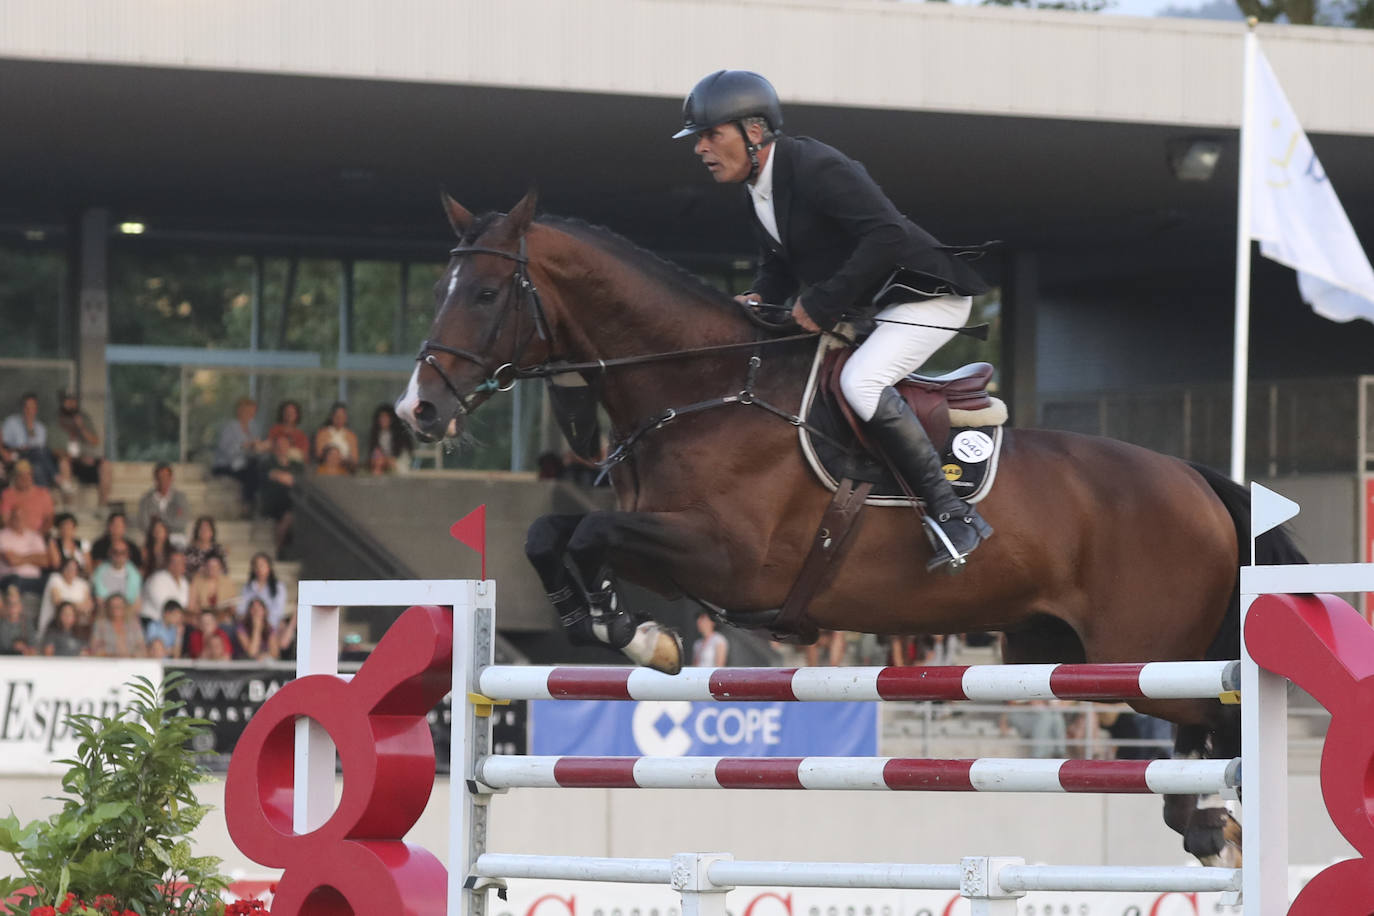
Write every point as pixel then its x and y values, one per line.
pixel 824 225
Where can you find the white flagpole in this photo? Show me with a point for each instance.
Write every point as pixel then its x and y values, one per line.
pixel 1240 371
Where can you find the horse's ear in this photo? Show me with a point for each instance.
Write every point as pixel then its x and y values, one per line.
pixel 522 214
pixel 458 216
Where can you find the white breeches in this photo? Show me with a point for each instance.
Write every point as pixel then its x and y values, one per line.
pixel 897 350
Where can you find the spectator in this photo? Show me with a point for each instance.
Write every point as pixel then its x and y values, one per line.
pixel 64 639
pixel 289 425
pixel 280 471
pixel 76 446
pixel 34 501
pixel 26 437
pixel 264 586
pixel 167 636
pixel 116 634
pixel 389 448
pixel 165 502
pixel 23 555
pixel 550 466
pixel 331 463
pixel 65 545
pixel 117 576
pixel 166 586
pixel 208 642
pixel 236 451
pixel 116 532
pixel 67 587
pixel 17 635
pixel 255 637
pixel 157 546
pixel 335 432
pixel 204 544
pixel 286 638
pixel 1042 727
pixel 711 648
pixel 209 589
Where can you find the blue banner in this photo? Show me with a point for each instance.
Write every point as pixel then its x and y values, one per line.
pixel 612 728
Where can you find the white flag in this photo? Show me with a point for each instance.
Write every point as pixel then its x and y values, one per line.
pixel 1295 213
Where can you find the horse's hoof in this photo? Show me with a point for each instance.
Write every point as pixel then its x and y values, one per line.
pixel 655 647
pixel 1216 841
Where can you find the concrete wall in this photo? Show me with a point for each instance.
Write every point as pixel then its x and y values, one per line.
pixel 867 53
pixel 818 826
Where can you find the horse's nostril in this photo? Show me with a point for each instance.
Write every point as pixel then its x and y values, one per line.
pixel 425 413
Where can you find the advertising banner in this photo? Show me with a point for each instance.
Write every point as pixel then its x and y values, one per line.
pixel 37 695
pixel 680 728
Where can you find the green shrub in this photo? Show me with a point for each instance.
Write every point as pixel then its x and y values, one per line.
pixel 125 820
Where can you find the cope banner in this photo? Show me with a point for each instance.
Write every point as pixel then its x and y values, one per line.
pixel 616 728
pixel 37 695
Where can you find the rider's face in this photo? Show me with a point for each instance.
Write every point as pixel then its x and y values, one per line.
pixel 723 152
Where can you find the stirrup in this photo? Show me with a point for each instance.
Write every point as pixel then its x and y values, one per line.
pixel 952 561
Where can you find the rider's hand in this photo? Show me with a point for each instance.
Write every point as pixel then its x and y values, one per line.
pixel 748 299
pixel 804 320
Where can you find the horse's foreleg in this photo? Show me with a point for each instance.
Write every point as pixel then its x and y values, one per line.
pixel 546 547
pixel 659 542
pixel 1208 830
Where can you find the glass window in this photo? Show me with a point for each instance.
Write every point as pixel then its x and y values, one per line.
pixel 32 282
pixel 300 308
pixel 419 306
pixel 377 308
pixel 180 299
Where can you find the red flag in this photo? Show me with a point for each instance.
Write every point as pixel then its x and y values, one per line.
pixel 471 529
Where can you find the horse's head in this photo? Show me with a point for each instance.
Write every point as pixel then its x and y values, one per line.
pixel 487 315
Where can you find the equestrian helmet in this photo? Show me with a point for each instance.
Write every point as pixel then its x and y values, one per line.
pixel 729 95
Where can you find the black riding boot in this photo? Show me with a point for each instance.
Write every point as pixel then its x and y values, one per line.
pixel 898 432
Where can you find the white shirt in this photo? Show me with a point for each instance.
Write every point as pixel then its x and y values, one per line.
pixel 160 588
pixel 762 192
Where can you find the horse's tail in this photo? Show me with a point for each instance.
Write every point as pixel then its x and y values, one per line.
pixel 1274 547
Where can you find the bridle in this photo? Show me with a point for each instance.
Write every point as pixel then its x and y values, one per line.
pixel 522 290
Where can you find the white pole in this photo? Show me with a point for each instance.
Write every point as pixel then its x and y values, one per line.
pixel 1240 365
pixel 317 652
pixel 474 628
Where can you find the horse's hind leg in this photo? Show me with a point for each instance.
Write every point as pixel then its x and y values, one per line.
pixel 606 618
pixel 1208 830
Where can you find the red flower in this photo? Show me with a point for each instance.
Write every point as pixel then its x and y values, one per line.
pixel 43 911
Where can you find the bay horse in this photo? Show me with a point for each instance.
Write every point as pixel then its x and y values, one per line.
pixel 1103 552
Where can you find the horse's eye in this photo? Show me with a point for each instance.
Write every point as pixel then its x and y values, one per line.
pixel 486 294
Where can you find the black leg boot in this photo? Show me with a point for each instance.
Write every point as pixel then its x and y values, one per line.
pixel 898 432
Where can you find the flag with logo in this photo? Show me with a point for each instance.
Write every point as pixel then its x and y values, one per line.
pixel 1295 214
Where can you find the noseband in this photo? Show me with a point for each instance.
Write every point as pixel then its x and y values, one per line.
pixel 522 290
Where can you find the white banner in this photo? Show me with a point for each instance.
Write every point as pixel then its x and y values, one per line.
pixel 37 695
pixel 1294 211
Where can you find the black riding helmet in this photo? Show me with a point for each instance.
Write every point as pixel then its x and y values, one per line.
pixel 731 95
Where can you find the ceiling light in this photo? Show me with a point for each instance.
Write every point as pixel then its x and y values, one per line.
pixel 35 235
pixel 132 228
pixel 1194 159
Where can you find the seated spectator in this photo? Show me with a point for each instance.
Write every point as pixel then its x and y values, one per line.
pixel 165 502
pixel 167 636
pixel 34 501
pixel 286 637
pixel 280 471
pixel 204 545
pixel 263 585
pixel 331 463
pixel 289 425
pixel 389 449
pixel 117 634
pixel 255 637
pixel 210 589
pixel 166 586
pixel 76 447
pixel 551 466
pixel 335 432
pixel 208 642
pixel 17 633
pixel 1041 725
pixel 63 638
pixel 67 587
pixel 117 576
pixel 116 532
pixel 236 451
pixel 711 648
pixel 26 437
pixel 157 546
pixel 23 555
pixel 65 545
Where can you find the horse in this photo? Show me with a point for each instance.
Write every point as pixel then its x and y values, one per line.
pixel 1103 551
